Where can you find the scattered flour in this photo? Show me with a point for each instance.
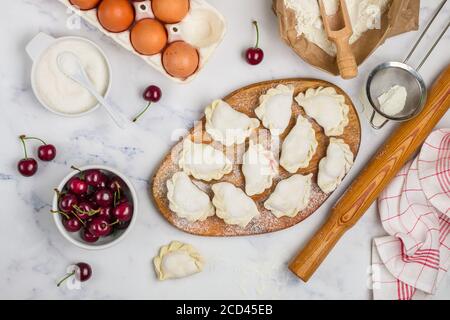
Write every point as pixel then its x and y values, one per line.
pixel 364 15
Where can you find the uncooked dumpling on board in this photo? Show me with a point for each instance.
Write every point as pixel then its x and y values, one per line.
pixel 226 125
pixel 299 146
pixel 187 200
pixel 327 108
pixel 335 165
pixel 233 205
pixel 290 196
pixel 259 167
pixel 177 260
pixel 275 108
pixel 203 161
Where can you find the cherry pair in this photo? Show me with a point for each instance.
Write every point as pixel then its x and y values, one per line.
pixel 28 166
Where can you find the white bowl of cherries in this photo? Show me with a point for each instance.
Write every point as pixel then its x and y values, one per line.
pixel 95 207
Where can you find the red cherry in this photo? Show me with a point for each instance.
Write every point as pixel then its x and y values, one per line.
pixel 152 94
pixel 94 177
pixel 47 152
pixel 67 202
pixel 255 55
pixel 115 184
pixel 103 198
pixel 27 167
pixel 77 186
pixel 122 225
pixel 87 236
pixel 123 212
pixel 72 224
pixel 82 272
pixel 99 227
pixel 106 213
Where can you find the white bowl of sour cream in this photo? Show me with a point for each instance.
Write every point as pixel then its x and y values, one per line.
pixel 54 90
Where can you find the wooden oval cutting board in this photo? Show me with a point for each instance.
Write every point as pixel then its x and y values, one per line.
pixel 246 100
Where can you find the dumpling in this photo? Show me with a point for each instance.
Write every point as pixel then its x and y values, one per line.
pixel 203 161
pixel 275 108
pixel 258 166
pixel 226 125
pixel 326 107
pixel 299 146
pixel 335 165
pixel 187 200
pixel 290 196
pixel 233 205
pixel 177 260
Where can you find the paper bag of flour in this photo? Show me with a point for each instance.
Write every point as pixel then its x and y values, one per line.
pixel 399 16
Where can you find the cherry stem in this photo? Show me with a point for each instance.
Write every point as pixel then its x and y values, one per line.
pixel 255 23
pixel 90 213
pixel 61 212
pixel 67 276
pixel 78 218
pixel 142 112
pixel 33 138
pixel 22 138
pixel 75 168
pixel 115 222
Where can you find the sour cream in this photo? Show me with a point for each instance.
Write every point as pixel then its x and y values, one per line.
pixel 62 94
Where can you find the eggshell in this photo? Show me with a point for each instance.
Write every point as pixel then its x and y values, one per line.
pixel 148 36
pixel 85 4
pixel 115 15
pixel 180 59
pixel 170 11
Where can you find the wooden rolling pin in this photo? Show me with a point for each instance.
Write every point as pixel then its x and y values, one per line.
pixel 389 159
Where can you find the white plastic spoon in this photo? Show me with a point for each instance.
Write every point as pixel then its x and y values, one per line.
pixel 70 65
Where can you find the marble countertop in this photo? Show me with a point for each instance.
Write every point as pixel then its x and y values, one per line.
pixel 34 255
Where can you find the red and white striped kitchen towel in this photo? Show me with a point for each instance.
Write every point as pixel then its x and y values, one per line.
pixel 414 210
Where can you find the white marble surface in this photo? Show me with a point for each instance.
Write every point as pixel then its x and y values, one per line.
pixel 34 255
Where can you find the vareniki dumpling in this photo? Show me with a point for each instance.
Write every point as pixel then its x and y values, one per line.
pixel 275 108
pixel 326 107
pixel 226 125
pixel 233 205
pixel 259 166
pixel 335 165
pixel 177 260
pixel 290 196
pixel 299 146
pixel 203 161
pixel 187 200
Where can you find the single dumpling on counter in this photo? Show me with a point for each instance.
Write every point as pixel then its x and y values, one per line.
pixel 275 108
pixel 233 205
pixel 393 101
pixel 335 165
pixel 327 108
pixel 299 146
pixel 259 167
pixel 203 161
pixel 177 260
pixel 227 125
pixel 290 196
pixel 187 200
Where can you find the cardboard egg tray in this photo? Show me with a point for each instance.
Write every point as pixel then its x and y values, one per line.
pixel 143 10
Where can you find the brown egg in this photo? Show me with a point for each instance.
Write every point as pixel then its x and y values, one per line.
pixel 180 59
pixel 115 15
pixel 170 11
pixel 85 4
pixel 148 36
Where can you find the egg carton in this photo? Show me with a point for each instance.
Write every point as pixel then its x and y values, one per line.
pixel 203 27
